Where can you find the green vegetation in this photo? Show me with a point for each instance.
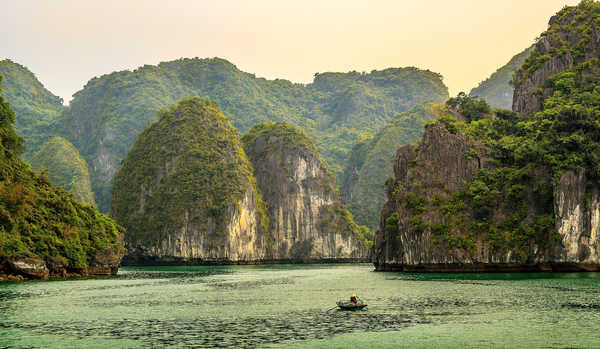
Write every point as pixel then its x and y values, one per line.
pixel 370 163
pixel 335 110
pixel 35 107
pixel 190 163
pixel 497 90
pixel 285 134
pixel 40 220
pixel 472 108
pixel 65 167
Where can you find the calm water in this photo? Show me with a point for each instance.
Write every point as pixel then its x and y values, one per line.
pixel 285 306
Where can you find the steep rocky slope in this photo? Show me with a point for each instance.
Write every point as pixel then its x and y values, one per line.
pixel 35 107
pixel 497 90
pixel 44 232
pixel 370 163
pixel 572 38
pixel 65 167
pixel 507 191
pixel 186 192
pixel 105 117
pixel 308 220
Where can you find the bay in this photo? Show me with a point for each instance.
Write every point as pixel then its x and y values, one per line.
pixel 286 306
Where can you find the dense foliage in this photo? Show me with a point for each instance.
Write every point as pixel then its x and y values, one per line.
pixel 65 167
pixel 40 220
pixel 336 110
pixel 497 90
pixel 370 163
pixel 472 108
pixel 189 162
pixel 35 107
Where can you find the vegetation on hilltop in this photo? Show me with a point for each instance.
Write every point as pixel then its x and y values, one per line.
pixel 335 110
pixel 65 167
pixel 40 220
pixel 35 107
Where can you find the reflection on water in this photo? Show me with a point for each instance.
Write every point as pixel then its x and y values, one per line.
pixel 254 306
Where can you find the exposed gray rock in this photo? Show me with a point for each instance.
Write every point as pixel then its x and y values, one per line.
pixel 30 267
pixel 305 209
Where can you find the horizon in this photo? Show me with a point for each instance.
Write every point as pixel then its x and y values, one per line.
pixel 465 41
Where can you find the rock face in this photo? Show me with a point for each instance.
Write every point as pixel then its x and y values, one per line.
pixel 65 167
pixel 440 167
pixel 308 220
pixel 186 192
pixel 572 38
pixel 577 209
pixel 104 262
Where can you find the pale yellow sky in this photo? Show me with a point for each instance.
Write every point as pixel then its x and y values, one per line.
pixel 67 42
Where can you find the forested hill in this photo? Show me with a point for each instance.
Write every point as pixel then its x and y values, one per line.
pixel 43 230
pixel 336 109
pixel 497 89
pixel 35 107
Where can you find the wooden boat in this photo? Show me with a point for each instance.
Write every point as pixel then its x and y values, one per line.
pixel 347 305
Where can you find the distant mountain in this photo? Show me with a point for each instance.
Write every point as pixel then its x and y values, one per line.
pixel 65 167
pixel 370 163
pixel 497 90
pixel 35 107
pixel 335 110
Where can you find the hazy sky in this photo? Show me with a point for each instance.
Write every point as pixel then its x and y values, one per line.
pixel 67 42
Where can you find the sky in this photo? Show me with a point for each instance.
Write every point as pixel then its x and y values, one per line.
pixel 68 42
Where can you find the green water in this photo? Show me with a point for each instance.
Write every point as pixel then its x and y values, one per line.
pixel 285 306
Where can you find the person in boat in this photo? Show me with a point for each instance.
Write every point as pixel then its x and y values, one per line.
pixel 353 299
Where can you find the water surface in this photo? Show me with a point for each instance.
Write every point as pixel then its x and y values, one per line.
pixel 287 306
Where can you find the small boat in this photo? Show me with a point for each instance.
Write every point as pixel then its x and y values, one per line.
pixel 347 305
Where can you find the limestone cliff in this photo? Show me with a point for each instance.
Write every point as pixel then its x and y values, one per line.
pixel 573 37
pixel 430 223
pixel 308 220
pixel 186 192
